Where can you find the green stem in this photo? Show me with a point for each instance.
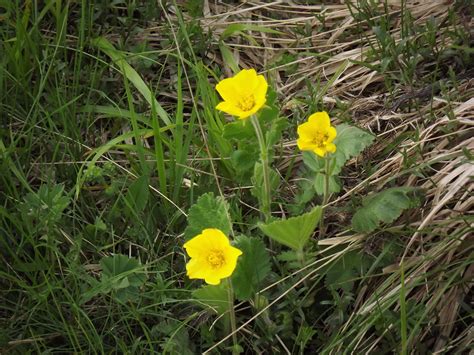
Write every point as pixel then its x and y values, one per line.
pixel 266 203
pixel 325 196
pixel 233 323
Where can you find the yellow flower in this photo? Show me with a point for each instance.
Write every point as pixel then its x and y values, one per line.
pixel 212 256
pixel 244 94
pixel 317 134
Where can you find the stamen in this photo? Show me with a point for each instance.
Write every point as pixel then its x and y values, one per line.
pixel 246 103
pixel 216 259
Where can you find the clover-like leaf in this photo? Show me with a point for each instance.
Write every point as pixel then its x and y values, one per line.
pixel 122 274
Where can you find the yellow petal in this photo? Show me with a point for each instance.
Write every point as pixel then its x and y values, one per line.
pixel 332 133
pixel 331 147
pixel 320 120
pixel 216 238
pixel 228 91
pixel 304 144
pixel 260 91
pixel 320 151
pixel 198 246
pixel 194 268
pixel 246 114
pixel 305 131
pixel 231 256
pixel 246 80
pixel 254 110
pixel 212 280
pixel 233 252
pixel 229 108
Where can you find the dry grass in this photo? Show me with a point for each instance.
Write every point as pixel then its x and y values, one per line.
pixel 442 118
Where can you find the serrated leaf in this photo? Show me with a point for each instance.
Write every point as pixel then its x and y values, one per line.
pixel 385 206
pixel 208 212
pixel 293 232
pixel 350 142
pixel 252 267
pixel 214 296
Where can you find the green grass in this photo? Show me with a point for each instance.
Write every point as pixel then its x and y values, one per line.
pixel 109 134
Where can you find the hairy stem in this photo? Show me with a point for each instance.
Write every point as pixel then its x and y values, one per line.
pixel 325 196
pixel 233 323
pixel 265 208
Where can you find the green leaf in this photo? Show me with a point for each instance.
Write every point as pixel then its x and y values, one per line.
pixel 118 58
pixel 122 274
pixel 274 134
pixel 114 112
pixel 313 162
pixel 342 273
pixel 239 130
pixel 214 296
pixel 243 160
pixel 174 338
pixel 334 186
pixel 258 182
pixel 43 209
pixel 228 57
pixel 385 206
pixel 350 142
pixel 138 193
pixel 121 266
pixel 208 212
pixel 239 27
pixel 252 267
pixel 317 165
pixel 293 232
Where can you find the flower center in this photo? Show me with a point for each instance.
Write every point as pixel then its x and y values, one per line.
pixel 320 139
pixel 246 103
pixel 216 259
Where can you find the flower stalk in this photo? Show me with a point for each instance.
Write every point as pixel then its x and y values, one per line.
pixel 267 198
pixel 327 161
pixel 233 322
